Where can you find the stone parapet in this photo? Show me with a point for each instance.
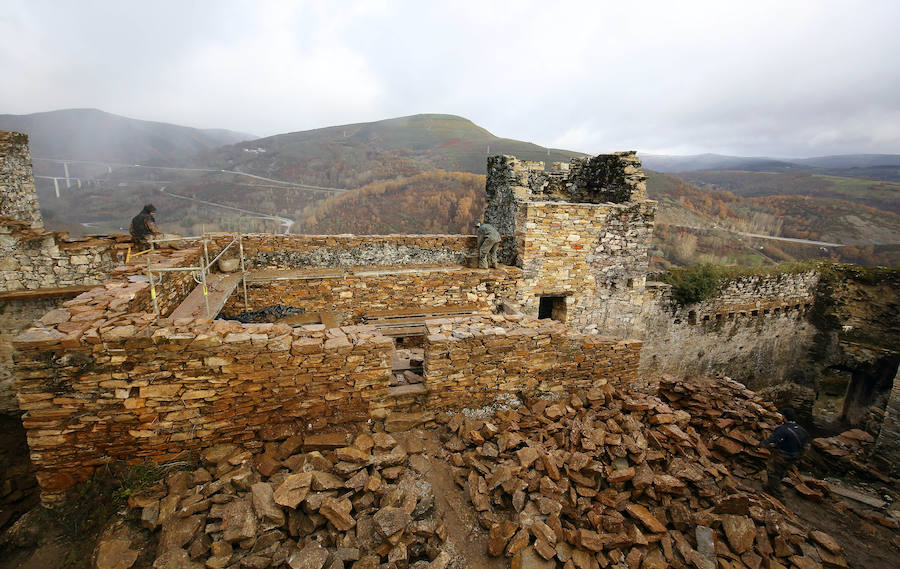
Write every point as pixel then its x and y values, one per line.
pixel 33 259
pixel 266 251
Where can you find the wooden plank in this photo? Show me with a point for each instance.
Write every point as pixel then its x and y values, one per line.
pixel 220 288
pixel 426 310
pixel 404 331
pixel 300 319
pixel 29 294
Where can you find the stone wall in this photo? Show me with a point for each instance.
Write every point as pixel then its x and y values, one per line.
pixel 471 361
pixel 354 293
pixel 757 330
pixel 15 316
pixel 580 231
pixel 887 445
pixel 18 198
pixel 35 259
pixel 156 390
pixel 102 378
pixel 265 251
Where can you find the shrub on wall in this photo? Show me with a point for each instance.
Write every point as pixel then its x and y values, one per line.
pixel 697 283
pixel 693 284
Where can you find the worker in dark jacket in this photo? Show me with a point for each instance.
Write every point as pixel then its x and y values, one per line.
pixel 143 226
pixel 787 443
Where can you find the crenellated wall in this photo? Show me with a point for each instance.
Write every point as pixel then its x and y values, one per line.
pixel 754 329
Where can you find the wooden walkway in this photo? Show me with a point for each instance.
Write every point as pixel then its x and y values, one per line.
pixel 220 286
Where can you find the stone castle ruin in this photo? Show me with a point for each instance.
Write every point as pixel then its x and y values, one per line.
pixel 133 370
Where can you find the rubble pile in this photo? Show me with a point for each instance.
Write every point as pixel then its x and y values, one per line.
pixel 612 478
pixel 849 446
pixel 312 502
pixel 731 419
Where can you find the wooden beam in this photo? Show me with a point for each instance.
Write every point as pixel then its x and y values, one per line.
pixel 30 294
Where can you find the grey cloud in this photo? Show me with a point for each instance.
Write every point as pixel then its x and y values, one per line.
pixel 762 78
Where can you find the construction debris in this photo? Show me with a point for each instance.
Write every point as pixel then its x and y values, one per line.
pixel 356 505
pixel 613 478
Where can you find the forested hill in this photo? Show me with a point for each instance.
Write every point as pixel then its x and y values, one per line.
pixel 351 156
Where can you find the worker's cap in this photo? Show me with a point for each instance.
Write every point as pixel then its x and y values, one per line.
pixel 789 414
pixel 150 208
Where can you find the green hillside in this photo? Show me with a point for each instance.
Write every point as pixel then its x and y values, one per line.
pixel 351 156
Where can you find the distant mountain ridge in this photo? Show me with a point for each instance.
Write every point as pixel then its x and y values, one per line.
pixel 690 163
pixel 354 155
pixel 91 134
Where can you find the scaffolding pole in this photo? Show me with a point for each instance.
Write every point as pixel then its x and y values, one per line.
pixel 243 268
pixel 203 270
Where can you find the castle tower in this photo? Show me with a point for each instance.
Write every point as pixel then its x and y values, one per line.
pixel 581 234
pixel 18 198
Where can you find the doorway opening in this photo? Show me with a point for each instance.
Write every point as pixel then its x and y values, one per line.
pixel 553 307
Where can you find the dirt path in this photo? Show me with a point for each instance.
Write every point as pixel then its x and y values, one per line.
pixel 866 544
pixel 465 538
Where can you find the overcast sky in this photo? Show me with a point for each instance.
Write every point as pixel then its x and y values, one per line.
pixel 785 78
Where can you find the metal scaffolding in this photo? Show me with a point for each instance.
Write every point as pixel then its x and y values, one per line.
pixel 201 271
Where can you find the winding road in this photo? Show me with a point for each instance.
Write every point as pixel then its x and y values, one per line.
pixel 286 223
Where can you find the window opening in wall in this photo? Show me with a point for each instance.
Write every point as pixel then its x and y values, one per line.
pixel 553 307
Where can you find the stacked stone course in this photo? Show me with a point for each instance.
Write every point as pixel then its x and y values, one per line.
pixel 133 392
pixel 302 251
pixel 353 294
pixel 475 359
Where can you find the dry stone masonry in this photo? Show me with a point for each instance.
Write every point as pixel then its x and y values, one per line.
pixel 111 375
pixel 755 329
pixel 18 199
pixel 581 234
pixel 32 259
